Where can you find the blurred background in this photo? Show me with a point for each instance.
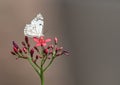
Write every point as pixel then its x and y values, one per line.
pixel 89 29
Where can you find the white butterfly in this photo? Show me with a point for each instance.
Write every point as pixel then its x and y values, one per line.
pixel 35 28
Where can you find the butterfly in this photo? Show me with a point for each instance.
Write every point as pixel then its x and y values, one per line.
pixel 35 29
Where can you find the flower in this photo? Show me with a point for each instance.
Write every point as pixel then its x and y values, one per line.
pixel 41 41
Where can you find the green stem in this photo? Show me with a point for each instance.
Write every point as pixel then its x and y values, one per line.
pixel 42 76
pixel 49 64
pixel 42 79
pixel 34 66
pixel 44 60
pixel 53 57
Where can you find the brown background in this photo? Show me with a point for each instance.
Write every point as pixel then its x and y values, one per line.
pixel 90 29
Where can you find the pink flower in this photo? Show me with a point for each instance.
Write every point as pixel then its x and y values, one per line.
pixel 41 41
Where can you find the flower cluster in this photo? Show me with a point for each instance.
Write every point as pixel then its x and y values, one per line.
pixel 39 54
pixel 42 49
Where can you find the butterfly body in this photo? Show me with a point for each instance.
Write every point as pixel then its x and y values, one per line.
pixel 35 28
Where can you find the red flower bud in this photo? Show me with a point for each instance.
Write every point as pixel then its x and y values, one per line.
pixel 13 53
pixel 65 52
pixel 24 50
pixel 46 51
pixel 15 45
pixel 32 52
pixel 50 46
pixel 26 39
pixel 28 45
pixel 58 54
pixel 36 48
pixel 58 49
pixel 61 52
pixel 20 51
pixel 23 43
pixel 55 40
pixel 37 56
pixel 50 51
pixel 15 50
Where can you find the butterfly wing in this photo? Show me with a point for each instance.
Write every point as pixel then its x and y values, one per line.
pixel 35 28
